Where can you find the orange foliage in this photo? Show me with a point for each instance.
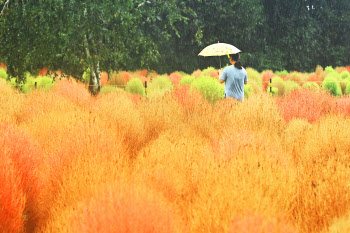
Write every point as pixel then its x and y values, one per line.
pixel 43 72
pixel 307 104
pixel 119 79
pixel 104 78
pixel 12 199
pixel 130 210
pixel 174 162
pixel 320 73
pixel 348 68
pixel 25 157
pixel 76 92
pixel 266 76
pixel 260 224
pixel 188 98
pixel 2 65
pixel 197 73
pixel 175 78
pixel 314 78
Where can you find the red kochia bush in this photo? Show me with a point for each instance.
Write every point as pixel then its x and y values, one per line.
pixel 307 104
pixel 266 76
pixel 126 211
pixel 25 157
pixel 12 200
pixel 74 91
pixel 175 78
pixel 343 105
pixel 187 98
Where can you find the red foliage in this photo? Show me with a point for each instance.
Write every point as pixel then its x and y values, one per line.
pixel 266 76
pixel 143 73
pixel 12 200
pixel 2 65
pixel 43 72
pixel 197 73
pixel 125 211
pixel 214 74
pixel 343 105
pixel 307 104
pixel 187 98
pixel 104 78
pixel 259 224
pixel 313 78
pixel 72 90
pixel 25 156
pixel 175 78
pixel 348 68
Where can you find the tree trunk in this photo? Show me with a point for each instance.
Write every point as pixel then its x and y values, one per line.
pixel 95 75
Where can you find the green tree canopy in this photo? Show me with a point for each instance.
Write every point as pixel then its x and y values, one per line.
pixel 71 35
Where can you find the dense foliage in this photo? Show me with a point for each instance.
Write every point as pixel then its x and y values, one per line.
pixel 173 162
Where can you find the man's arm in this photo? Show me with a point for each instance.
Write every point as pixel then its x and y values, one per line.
pixel 220 75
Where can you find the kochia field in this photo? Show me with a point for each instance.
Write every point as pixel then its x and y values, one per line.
pixel 175 158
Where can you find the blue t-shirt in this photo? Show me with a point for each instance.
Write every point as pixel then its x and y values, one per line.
pixel 234 82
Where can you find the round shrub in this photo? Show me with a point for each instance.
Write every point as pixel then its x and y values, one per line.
pixel 3 73
pixel 278 86
pixel 331 84
pixel 108 89
pixel 254 75
pixel 266 76
pixel 291 86
pixel 44 82
pixel 347 90
pixel 135 86
pixel 345 75
pixel 210 88
pixel 248 90
pixel 210 71
pixel 329 69
pixel 187 80
pixel 311 86
pixel 160 85
pixel 29 84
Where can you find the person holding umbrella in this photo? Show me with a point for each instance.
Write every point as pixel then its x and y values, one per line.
pixel 234 77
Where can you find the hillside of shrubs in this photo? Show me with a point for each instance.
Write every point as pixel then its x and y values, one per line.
pixel 176 156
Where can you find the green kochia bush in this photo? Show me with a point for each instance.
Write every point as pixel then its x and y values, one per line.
pixel 135 86
pixel 347 90
pixel 248 90
pixel 291 86
pixel 160 85
pixel 107 89
pixel 332 84
pixel 3 73
pixel 44 82
pixel 311 86
pixel 255 76
pixel 278 86
pixel 187 80
pixel 210 88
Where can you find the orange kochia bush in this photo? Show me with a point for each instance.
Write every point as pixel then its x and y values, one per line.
pixel 25 157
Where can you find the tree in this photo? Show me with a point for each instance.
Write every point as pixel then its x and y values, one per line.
pixel 73 35
pixel 237 22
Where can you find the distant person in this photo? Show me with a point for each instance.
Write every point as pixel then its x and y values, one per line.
pixel 234 76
